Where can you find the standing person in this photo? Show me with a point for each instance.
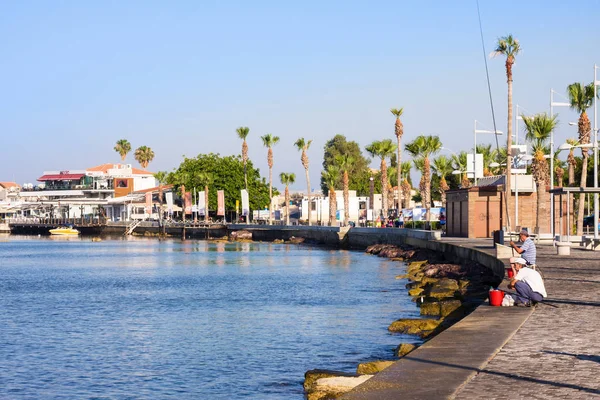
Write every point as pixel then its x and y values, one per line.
pixel 527 249
pixel 527 282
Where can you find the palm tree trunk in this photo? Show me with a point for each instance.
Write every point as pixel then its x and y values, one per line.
pixel 346 199
pixel 427 171
pixel 384 187
pixel 287 205
pixel 332 206
pixel 581 211
pixel 507 188
pixel 399 173
pixel 571 174
pixel 270 195
pixel 308 195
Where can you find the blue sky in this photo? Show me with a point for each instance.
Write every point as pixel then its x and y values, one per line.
pixel 181 76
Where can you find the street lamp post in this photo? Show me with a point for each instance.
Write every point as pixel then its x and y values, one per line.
pixel 552 105
pixel 596 83
pixel 372 196
pixel 475 132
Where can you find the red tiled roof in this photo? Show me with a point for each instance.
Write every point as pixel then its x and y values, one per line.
pixel 7 185
pixel 105 167
pixel 60 177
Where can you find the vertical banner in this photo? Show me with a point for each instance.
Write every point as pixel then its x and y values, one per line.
pixel 221 202
pixel 245 205
pixel 149 203
pixel 188 202
pixel 169 197
pixel 201 203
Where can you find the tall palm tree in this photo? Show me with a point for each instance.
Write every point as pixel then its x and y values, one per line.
pixel 242 133
pixel 442 166
pixel 144 155
pixel 581 98
pixel 406 187
pixel 331 176
pixel 269 141
pixel 123 147
pixel 539 128
pixel 382 149
pixel 571 161
pixel 344 162
pixel 206 179
pixel 509 47
pixel 398 131
pixel 303 146
pixel 161 177
pixel 424 147
pixel 287 179
pixel 459 163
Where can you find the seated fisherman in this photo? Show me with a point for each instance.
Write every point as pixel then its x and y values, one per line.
pixel 527 249
pixel 527 282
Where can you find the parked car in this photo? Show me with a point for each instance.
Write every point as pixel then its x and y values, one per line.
pixel 589 221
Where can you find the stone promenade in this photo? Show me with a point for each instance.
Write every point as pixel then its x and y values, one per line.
pixel 556 353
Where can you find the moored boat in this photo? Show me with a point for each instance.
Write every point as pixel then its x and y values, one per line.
pixel 64 230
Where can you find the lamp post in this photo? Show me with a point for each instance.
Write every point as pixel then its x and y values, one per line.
pixel 552 105
pixel 596 84
pixel 372 196
pixel 475 132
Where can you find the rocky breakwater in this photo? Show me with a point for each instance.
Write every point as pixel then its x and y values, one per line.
pixel 445 292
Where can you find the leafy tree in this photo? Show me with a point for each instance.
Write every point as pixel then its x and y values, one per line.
pixel 123 147
pixel 442 166
pixel 359 172
pixel 287 179
pixel 144 155
pixel 223 173
pixel 331 177
pixel 344 163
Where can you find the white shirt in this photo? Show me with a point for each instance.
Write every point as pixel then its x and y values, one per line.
pixel 533 279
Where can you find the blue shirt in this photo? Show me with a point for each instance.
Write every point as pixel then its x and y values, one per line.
pixel 529 252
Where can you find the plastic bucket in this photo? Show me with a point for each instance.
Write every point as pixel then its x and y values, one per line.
pixel 510 273
pixel 496 297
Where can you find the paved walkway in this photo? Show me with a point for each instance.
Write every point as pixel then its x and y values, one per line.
pixel 556 352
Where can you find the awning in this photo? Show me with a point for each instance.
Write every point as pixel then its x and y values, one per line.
pixel 61 177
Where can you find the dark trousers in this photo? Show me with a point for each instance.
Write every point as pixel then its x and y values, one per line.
pixel 525 294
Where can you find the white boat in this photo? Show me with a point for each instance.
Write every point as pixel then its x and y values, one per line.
pixel 64 230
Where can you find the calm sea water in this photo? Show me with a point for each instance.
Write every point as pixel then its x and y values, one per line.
pixel 144 318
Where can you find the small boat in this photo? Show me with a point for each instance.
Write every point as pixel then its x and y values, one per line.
pixel 64 230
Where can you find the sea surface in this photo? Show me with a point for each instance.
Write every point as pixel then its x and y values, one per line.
pixel 149 319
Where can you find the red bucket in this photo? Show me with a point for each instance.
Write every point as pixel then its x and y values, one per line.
pixel 510 273
pixel 496 297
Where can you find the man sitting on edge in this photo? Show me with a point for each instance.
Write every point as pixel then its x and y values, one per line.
pixel 527 249
pixel 527 282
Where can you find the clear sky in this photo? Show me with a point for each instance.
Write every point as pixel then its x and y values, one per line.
pixel 181 76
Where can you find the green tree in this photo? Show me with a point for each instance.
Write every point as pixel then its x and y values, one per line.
pixel 242 133
pixel 123 147
pixel 359 172
pixel 269 141
pixel 206 179
pixel 344 163
pixel 442 166
pixel 424 147
pixel 331 176
pixel 144 155
pixel 303 146
pixel 459 163
pixel 539 127
pixel 405 168
pixel 382 149
pixel 581 98
pixel 287 179
pixel 509 47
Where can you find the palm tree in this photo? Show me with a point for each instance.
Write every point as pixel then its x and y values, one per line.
pixel 581 98
pixel 399 131
pixel 509 47
pixel 539 128
pixel 571 161
pixel 442 166
pixel 303 145
pixel 123 147
pixel 459 163
pixel 488 157
pixel 406 187
pixel 144 155
pixel 424 147
pixel 206 179
pixel 242 133
pixel 344 162
pixel 161 177
pixel 382 149
pixel 287 179
pixel 269 141
pixel 331 176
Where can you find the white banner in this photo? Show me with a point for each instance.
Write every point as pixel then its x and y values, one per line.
pixel 201 203
pixel 169 197
pixel 245 205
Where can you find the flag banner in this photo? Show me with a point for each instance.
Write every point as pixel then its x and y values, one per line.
pixel 188 202
pixel 201 203
pixel 221 202
pixel 149 203
pixel 169 198
pixel 278 215
pixel 245 205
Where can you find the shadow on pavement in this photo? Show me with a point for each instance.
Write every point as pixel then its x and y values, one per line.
pixel 582 357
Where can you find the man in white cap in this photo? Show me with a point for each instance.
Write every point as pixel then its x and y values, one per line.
pixel 527 282
pixel 527 249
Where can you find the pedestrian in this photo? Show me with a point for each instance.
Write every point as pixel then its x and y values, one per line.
pixel 527 282
pixel 527 249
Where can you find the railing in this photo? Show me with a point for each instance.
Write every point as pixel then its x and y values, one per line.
pixel 86 221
